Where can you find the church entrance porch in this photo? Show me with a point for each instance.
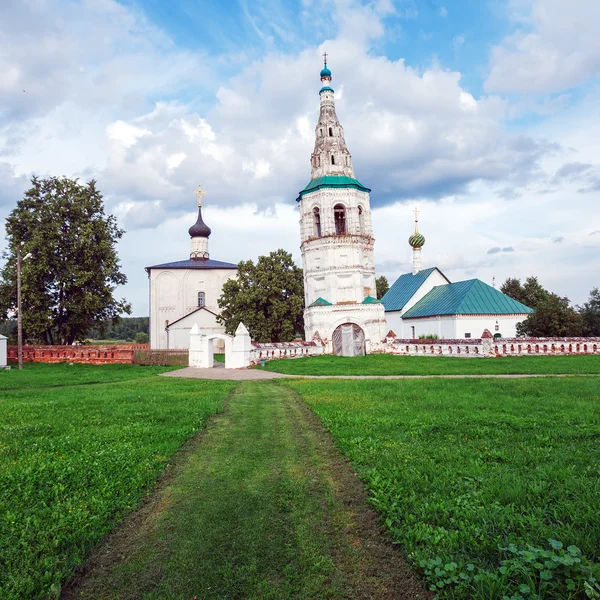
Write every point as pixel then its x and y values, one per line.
pixel 349 340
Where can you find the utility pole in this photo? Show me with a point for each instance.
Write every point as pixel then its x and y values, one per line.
pixel 19 320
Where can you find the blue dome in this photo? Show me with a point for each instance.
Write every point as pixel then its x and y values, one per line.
pixel 325 72
pixel 325 89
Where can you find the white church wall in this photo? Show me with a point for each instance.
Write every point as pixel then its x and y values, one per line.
pixel 458 326
pixel 174 294
pixel 475 324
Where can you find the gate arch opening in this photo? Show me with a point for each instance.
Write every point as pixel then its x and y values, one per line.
pixel 348 340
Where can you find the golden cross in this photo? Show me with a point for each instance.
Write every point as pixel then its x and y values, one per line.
pixel 200 195
pixel 416 215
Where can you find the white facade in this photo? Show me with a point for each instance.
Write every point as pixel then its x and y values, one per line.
pixel 455 327
pixel 174 294
pixel 179 289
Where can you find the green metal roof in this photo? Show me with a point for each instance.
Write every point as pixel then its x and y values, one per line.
pixel 320 302
pixel 325 88
pixel 404 288
pixel 472 297
pixel 332 181
pixel 371 300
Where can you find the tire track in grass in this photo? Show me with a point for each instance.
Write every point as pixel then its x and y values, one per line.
pixel 264 507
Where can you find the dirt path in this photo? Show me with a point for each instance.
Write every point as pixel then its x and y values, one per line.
pixel 263 506
pixel 257 374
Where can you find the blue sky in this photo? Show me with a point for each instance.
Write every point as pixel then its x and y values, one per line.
pixel 484 114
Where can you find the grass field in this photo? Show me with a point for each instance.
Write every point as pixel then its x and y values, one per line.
pixel 491 487
pixel 75 458
pixel 44 375
pixel 387 364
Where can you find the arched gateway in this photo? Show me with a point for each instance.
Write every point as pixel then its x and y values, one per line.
pixel 349 340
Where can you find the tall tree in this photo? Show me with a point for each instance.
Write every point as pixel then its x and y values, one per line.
pixel 590 312
pixel 73 269
pixel 268 297
pixel 382 286
pixel 531 293
pixel 553 317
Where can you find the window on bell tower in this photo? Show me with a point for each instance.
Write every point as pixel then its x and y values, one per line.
pixel 361 219
pixel 330 132
pixel 317 222
pixel 339 215
pixel 332 159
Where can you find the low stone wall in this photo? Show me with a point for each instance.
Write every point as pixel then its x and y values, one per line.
pixel 478 347
pixel 94 355
pixel 272 351
pixel 552 346
pixel 490 347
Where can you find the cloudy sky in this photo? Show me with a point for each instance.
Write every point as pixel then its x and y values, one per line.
pixel 485 114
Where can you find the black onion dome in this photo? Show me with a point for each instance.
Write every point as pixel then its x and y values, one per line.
pixel 199 228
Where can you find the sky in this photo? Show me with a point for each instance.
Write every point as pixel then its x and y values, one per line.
pixel 484 115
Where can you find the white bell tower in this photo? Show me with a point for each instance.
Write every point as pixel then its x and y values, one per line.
pixel 337 243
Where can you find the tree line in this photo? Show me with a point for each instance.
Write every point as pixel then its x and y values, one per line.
pixel 553 315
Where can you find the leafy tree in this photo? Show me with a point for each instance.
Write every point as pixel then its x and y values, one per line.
pixel 69 280
pixel 553 317
pixel 124 328
pixel 141 338
pixel 531 293
pixel 382 286
pixel 267 297
pixel 590 313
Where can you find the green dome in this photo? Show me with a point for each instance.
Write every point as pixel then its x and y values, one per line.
pixel 417 240
pixel 325 72
pixel 325 88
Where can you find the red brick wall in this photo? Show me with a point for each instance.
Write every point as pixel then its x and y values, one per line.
pixel 94 355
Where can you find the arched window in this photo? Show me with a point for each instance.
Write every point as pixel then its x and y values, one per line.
pixel 339 215
pixel 320 133
pixel 317 221
pixel 330 132
pixel 332 159
pixel 361 219
pixel 201 299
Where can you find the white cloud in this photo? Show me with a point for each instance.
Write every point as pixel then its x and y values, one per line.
pixel 555 47
pixel 103 106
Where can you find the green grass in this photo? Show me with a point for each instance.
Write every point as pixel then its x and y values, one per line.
pixel 45 375
pixel 254 512
pixel 219 358
pixel 387 364
pixel 74 459
pixel 460 469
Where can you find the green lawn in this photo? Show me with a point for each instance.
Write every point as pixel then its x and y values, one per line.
pixel 45 375
pixel 75 458
pixel 260 509
pixel 387 364
pixel 470 473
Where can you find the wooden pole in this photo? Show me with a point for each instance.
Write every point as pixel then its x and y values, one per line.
pixel 19 320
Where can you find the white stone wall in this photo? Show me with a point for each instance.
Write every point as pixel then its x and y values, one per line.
pixel 174 294
pixel 179 331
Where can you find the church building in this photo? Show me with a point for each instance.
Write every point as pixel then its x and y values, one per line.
pixel 185 292
pixel 337 243
pixel 425 303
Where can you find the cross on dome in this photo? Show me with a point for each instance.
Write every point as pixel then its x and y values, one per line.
pixel 325 58
pixel 200 193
